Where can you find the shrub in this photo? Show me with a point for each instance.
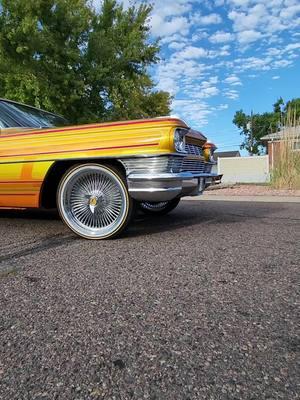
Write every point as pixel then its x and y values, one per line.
pixel 286 170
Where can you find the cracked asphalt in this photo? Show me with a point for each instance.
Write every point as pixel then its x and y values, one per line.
pixel 200 304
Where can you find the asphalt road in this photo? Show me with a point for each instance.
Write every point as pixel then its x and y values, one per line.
pixel 200 304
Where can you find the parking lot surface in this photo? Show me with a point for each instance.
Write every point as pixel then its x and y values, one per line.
pixel 200 304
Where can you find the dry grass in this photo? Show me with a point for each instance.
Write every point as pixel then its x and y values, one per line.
pixel 286 171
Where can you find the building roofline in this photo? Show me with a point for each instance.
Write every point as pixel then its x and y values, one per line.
pixel 288 133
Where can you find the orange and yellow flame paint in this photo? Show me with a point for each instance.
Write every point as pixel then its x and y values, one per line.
pixel 26 157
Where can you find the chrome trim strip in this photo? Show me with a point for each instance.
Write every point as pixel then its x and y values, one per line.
pixel 155 194
pixel 169 177
pixel 117 157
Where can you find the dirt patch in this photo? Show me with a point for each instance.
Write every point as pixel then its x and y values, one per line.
pixel 250 190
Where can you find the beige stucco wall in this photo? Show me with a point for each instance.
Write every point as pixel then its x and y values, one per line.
pixel 244 169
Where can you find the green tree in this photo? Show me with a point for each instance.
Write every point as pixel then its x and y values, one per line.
pixel 277 105
pixel 262 124
pixel 64 56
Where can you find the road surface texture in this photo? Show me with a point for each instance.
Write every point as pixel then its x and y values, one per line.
pixel 199 304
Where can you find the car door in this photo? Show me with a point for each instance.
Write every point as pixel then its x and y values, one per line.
pixel 18 187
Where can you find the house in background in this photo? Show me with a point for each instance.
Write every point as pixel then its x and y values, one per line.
pixel 274 141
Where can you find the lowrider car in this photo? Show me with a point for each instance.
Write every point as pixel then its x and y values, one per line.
pixel 96 174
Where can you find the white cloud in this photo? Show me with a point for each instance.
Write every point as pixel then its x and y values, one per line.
pixel 233 80
pixel 274 52
pixel 195 48
pixel 290 12
pixel 175 74
pixel 243 21
pixel 221 37
pixel 161 27
pixel 177 45
pixel 168 85
pixel 264 18
pixel 266 63
pixel 253 63
pixel 167 8
pixel 219 3
pixel 177 37
pixel 231 94
pixel 204 89
pixel 282 63
pixel 211 81
pixel 249 36
pixel 209 92
pixel 199 36
pixel 210 19
pixel 292 56
pixel 278 53
pixel 223 107
pixel 222 52
pixel 194 111
pixel 191 52
pixel 169 17
pixel 241 3
pixel 292 46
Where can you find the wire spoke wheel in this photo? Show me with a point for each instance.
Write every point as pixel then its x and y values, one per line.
pixel 93 201
pixel 154 206
pixel 158 208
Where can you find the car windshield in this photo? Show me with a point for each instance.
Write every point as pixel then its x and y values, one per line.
pixel 14 115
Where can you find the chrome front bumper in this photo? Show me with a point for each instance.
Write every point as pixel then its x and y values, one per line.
pixel 163 179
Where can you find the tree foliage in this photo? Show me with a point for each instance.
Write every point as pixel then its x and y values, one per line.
pixel 265 123
pixel 64 56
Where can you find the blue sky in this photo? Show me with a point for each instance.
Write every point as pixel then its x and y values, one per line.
pixel 219 56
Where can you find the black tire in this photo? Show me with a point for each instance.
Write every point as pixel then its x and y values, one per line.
pixel 93 201
pixel 158 208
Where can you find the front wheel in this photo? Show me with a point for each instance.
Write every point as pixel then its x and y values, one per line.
pixel 93 201
pixel 159 208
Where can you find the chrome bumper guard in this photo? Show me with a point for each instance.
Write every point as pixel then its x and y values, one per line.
pixel 164 181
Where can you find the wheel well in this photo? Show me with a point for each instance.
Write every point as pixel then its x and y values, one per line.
pixel 56 172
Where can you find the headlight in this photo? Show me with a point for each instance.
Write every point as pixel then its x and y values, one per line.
pixel 179 140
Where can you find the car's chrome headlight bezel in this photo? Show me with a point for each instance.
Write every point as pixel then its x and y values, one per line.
pixel 179 140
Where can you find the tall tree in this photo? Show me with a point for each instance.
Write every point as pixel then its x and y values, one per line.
pixel 277 106
pixel 261 124
pixel 64 56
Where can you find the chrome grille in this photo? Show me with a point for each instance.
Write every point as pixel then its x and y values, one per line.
pixel 194 166
pixel 208 167
pixel 166 164
pixel 193 149
pixel 153 165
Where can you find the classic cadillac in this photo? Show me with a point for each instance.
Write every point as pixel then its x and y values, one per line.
pixel 96 174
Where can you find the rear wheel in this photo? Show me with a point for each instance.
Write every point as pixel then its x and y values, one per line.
pixel 159 208
pixel 93 201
